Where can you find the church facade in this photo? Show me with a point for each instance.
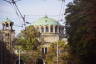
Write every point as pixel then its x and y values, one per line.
pixel 50 29
pixel 52 32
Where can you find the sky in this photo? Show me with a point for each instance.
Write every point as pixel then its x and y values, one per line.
pixel 33 10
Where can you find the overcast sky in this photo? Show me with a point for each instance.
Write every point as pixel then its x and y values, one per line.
pixel 33 9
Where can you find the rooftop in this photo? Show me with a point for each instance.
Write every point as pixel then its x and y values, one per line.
pixel 46 21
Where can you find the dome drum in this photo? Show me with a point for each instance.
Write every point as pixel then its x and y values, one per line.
pixel 49 28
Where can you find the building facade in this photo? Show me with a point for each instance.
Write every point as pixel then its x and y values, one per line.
pixel 8 34
pixel 51 33
pixel 50 29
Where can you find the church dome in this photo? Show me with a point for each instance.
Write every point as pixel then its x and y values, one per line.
pixel 7 21
pixel 46 21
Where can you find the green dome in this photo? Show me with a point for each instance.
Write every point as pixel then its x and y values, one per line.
pixel 46 21
pixel 7 21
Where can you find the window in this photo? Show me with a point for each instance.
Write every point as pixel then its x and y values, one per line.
pixel 51 28
pixel 55 29
pixel 7 34
pixel 42 29
pixel 44 50
pixel 47 30
pixel 7 24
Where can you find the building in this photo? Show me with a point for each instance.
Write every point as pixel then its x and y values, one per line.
pixel 51 32
pixel 1 36
pixel 50 29
pixel 8 34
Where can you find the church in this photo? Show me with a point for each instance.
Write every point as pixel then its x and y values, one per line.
pixel 51 32
pixel 50 29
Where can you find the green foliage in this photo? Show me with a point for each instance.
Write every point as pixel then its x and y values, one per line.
pixel 27 41
pixel 6 56
pixel 31 56
pixel 80 24
pixel 28 38
pixel 51 57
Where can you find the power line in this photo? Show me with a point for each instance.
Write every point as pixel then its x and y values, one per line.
pixel 18 12
pixel 61 10
pixel 58 20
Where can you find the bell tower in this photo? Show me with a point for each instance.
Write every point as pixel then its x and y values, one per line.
pixel 8 33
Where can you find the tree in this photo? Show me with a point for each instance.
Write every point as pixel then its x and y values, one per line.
pixel 80 24
pixel 63 50
pixel 29 38
pixel 6 56
pixel 28 41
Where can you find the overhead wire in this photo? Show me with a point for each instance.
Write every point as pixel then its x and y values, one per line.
pixel 18 12
pixel 60 11
pixel 59 20
pixel 61 14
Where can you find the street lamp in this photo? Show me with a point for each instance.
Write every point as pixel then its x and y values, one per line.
pixel 18 51
pixel 19 55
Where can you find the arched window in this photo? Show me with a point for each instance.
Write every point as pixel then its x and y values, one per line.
pixel 47 30
pixel 55 29
pixel 51 28
pixel 42 50
pixel 42 29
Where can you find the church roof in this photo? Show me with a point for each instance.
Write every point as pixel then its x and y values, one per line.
pixel 46 21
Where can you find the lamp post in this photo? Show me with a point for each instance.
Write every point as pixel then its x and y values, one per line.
pixel 19 55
